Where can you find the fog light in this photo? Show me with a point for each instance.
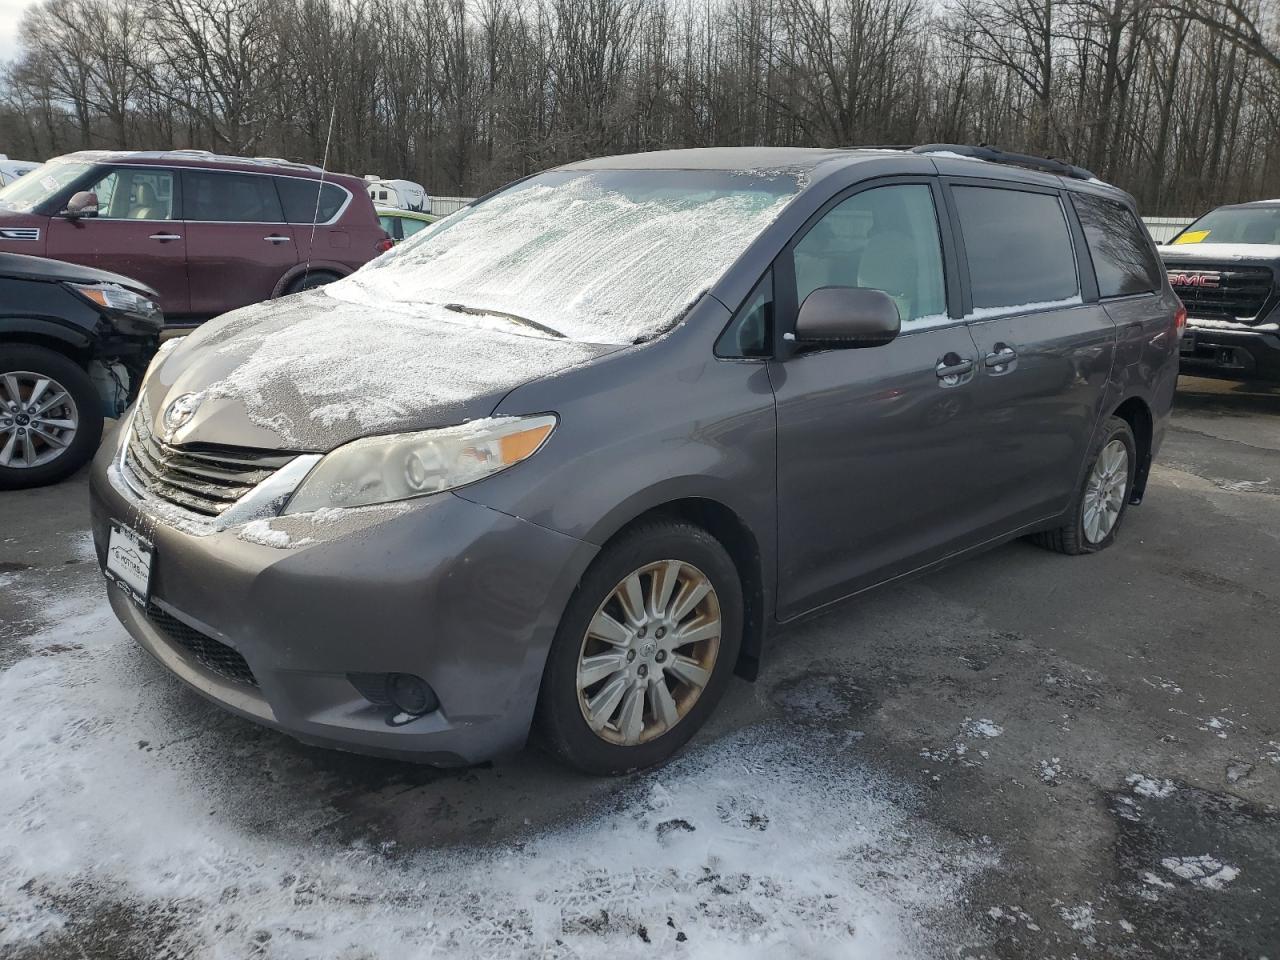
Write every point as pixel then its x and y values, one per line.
pixel 410 694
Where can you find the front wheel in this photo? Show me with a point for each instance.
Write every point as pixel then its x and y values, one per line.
pixel 1101 503
pixel 644 651
pixel 50 417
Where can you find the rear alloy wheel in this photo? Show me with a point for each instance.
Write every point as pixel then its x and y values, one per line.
pixel 645 649
pixel 1101 503
pixel 50 417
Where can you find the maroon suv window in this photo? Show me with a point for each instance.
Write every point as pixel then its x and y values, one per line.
pixel 299 199
pixel 214 196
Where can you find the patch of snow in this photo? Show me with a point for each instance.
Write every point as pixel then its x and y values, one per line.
pixel 1163 684
pixel 1153 880
pixel 121 789
pixel 1241 323
pixel 980 728
pixel 1015 309
pixel 1220 251
pixel 261 532
pixel 1217 726
pixel 1203 871
pixel 1145 786
pixel 1079 918
pixel 1051 771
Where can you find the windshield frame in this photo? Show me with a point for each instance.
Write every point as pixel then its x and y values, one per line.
pixel 1195 225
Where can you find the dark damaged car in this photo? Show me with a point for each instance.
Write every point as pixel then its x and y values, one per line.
pixel 562 461
pixel 74 343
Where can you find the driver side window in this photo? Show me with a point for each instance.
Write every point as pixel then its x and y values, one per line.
pixel 135 194
pixel 885 239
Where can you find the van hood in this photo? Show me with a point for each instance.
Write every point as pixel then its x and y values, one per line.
pixel 313 371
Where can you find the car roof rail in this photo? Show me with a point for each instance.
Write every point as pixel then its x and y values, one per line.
pixel 996 155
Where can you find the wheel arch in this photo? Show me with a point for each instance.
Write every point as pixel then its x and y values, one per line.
pixel 315 266
pixel 71 343
pixel 1135 411
pixel 736 536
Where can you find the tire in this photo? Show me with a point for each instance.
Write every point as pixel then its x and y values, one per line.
pixel 647 552
pixel 1078 535
pixel 24 367
pixel 310 280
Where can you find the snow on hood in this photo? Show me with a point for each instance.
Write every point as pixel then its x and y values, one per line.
pixel 1221 251
pixel 313 371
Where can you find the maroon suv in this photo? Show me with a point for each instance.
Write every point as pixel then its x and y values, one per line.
pixel 209 233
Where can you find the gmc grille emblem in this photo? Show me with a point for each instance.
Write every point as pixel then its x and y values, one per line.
pixel 1205 278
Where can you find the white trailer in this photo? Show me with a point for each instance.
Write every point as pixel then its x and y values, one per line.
pixel 402 194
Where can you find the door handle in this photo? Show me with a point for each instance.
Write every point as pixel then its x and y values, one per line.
pixel 1001 357
pixel 957 367
pixel 276 239
pixel 166 237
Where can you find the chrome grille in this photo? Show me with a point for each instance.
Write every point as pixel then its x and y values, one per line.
pixel 1236 293
pixel 205 479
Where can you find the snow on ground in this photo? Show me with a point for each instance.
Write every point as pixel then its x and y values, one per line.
pixel 120 795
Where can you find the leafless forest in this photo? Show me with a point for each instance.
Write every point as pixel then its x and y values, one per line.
pixel 1176 100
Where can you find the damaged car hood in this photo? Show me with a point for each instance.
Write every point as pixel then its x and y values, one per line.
pixel 316 370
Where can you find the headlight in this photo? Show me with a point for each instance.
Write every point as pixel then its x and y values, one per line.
pixel 404 465
pixel 115 297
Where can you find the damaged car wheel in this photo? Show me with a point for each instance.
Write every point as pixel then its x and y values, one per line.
pixel 50 417
pixel 1100 504
pixel 644 650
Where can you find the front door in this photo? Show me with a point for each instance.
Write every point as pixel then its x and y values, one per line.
pixel 877 469
pixel 239 246
pixel 137 233
pixel 1046 353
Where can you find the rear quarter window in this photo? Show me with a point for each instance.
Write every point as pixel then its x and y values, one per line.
pixel 1018 246
pixel 299 199
pixel 1123 259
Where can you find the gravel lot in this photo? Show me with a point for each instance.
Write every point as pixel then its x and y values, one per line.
pixel 1022 756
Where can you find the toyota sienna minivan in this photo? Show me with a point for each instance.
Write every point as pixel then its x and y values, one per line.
pixel 562 461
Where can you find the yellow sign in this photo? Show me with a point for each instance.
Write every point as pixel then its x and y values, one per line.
pixel 1195 236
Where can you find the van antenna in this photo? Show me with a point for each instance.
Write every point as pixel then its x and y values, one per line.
pixel 324 167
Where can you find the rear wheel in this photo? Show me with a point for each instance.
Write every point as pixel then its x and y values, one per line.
pixel 1102 501
pixel 310 280
pixel 644 651
pixel 50 417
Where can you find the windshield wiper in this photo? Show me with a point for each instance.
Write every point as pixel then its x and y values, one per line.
pixel 514 317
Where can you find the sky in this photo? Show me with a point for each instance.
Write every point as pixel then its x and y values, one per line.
pixel 10 15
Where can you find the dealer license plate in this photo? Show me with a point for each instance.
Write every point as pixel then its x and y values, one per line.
pixel 129 558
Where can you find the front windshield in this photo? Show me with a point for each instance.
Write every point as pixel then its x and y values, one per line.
pixel 601 256
pixel 1234 225
pixel 26 193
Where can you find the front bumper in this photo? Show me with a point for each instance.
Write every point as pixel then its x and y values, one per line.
pixel 1231 353
pixel 464 596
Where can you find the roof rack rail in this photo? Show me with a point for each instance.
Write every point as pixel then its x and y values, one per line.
pixel 996 155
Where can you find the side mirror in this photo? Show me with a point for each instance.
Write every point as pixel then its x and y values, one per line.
pixel 840 317
pixel 82 204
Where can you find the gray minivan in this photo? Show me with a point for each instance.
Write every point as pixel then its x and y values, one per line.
pixel 564 459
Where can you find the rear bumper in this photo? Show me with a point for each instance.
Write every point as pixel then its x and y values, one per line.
pixel 461 595
pixel 1230 353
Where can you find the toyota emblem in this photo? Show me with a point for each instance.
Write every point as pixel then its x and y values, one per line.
pixel 179 413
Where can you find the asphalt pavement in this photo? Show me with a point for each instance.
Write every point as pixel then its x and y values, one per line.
pixel 1023 755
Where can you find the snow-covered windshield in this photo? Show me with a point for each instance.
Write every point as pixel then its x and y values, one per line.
pixel 25 193
pixel 600 256
pixel 1234 225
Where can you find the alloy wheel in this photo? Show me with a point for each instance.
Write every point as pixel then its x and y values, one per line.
pixel 38 419
pixel 649 652
pixel 1105 492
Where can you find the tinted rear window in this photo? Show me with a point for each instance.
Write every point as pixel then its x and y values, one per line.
pixel 1122 254
pixel 1018 246
pixel 229 197
pixel 299 198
